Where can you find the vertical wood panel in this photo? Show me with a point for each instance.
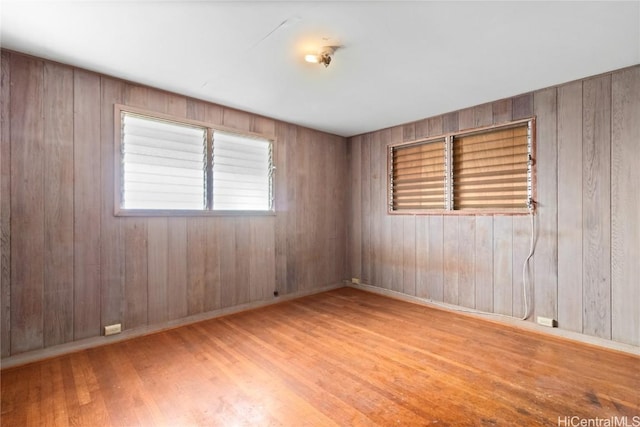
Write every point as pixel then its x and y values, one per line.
pixel 450 122
pixel 465 119
pixel 196 264
pixel 242 266
pixel 546 256
pixel 262 258
pixel 227 235
pixel 596 205
pixel 482 115
pixel 378 181
pixel 503 271
pixel 293 147
pixel 87 179
pixel 212 286
pixel 5 204
pixel 27 204
pixel 177 277
pixel 422 256
pixel 466 261
pixel 625 198
pixel 157 267
pixel 484 263
pixel 409 255
pixel 135 273
pixel 502 111
pixel 111 232
pixel 450 261
pixel 435 284
pixel 570 207
pixel 522 106
pixel 58 204
pixel 366 209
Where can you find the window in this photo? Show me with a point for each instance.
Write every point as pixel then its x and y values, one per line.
pixel 166 166
pixel 488 170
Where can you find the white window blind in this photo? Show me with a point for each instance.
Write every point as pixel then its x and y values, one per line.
pixel 163 164
pixel 242 167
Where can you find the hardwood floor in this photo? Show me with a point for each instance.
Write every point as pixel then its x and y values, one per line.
pixel 344 357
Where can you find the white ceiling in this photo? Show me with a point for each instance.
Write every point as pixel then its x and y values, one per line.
pixel 400 61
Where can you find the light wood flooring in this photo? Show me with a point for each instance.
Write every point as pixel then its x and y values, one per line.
pixel 344 357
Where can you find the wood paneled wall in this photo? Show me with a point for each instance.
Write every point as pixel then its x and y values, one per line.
pixel 586 265
pixel 70 267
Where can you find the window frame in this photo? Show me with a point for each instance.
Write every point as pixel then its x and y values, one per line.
pixel 208 210
pixel 448 190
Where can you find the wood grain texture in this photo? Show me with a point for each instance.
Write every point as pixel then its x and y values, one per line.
pixel 58 205
pixel 484 284
pixel 177 269
pixel 409 255
pixel 522 106
pixel 355 226
pixel 422 256
pixel 570 210
pixel 545 261
pixel 435 276
pixel 451 259
pixel 596 206
pixel 625 205
pixel 5 204
pixel 503 267
pixel 87 202
pixel 135 273
pixel 466 262
pixel 157 267
pixel 196 264
pixel 502 111
pixel 366 213
pixel 327 359
pixel 378 206
pixel 111 229
pixel 27 203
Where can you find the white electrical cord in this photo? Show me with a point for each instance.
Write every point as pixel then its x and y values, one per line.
pixel 524 269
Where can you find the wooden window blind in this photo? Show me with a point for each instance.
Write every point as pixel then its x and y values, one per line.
pixel 418 179
pixel 484 170
pixel 490 169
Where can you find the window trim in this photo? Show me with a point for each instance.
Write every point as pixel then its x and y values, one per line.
pixel 211 128
pixel 448 138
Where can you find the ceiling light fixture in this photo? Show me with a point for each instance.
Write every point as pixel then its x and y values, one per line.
pixel 322 57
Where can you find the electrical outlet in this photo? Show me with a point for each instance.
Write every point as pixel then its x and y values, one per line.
pixel 112 329
pixel 546 321
pixel 355 280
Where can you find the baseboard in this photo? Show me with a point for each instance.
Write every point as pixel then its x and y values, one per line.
pixel 72 347
pixel 515 322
